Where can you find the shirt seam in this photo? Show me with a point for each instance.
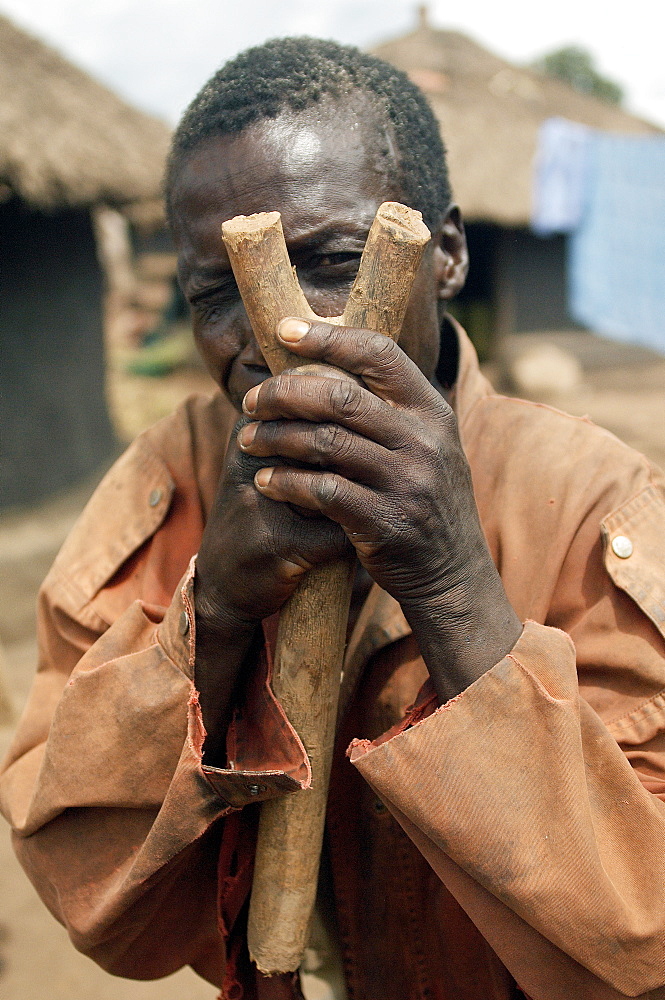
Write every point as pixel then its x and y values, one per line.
pixel 82 602
pixel 645 709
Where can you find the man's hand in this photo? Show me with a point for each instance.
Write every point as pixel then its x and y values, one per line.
pixel 383 460
pixel 252 556
pixel 254 552
pixel 375 463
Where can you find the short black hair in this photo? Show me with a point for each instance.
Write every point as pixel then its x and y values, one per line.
pixel 295 73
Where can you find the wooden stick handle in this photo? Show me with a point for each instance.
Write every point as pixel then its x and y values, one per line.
pixel 312 627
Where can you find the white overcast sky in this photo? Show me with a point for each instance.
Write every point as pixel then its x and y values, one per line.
pixel 157 53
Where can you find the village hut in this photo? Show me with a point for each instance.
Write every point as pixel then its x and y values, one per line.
pixel 67 146
pixel 490 113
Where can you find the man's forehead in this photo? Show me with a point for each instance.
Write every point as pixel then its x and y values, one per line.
pixel 306 149
pixel 349 122
pixel 294 144
pixel 325 156
pixel 347 126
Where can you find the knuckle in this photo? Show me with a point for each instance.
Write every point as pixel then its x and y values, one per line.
pixel 345 398
pixel 383 351
pixel 329 440
pixel 447 418
pixel 432 450
pixel 327 489
pixel 422 490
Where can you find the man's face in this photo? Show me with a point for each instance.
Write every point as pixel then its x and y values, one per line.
pixel 325 171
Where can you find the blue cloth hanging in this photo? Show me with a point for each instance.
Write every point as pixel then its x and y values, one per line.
pixel 608 192
pixel 561 176
pixel 616 262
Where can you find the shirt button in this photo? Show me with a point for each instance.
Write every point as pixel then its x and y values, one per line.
pixel 183 624
pixel 622 547
pixel 255 789
pixel 155 497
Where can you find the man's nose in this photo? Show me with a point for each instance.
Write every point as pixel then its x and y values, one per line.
pixel 251 352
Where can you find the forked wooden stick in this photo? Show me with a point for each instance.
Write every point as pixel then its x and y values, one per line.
pixel 312 625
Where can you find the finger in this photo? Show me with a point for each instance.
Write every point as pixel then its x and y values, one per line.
pixel 327 445
pixel 240 466
pixel 296 396
pixel 278 529
pixel 380 362
pixel 353 506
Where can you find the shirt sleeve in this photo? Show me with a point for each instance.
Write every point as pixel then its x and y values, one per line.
pixel 114 817
pixel 538 794
pixel 104 791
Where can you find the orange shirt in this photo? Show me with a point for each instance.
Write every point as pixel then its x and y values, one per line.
pixel 514 835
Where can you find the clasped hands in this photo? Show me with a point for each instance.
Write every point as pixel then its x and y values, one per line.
pixel 378 461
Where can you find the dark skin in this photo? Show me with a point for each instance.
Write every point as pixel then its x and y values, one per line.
pixel 379 464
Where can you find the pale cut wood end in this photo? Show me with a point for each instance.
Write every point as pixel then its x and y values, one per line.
pixel 250 225
pixel 408 219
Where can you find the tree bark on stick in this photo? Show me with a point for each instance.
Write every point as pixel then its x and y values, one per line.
pixel 312 626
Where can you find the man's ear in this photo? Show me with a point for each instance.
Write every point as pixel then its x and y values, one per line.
pixel 451 256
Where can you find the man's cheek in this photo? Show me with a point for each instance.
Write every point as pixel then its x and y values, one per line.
pixel 214 350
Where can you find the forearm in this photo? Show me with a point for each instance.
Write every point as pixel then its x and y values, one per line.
pixel 107 810
pixel 105 875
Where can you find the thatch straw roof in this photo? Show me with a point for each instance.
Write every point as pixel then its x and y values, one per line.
pixel 66 139
pixel 490 111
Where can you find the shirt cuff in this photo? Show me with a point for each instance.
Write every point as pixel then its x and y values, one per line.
pixel 176 633
pixel 265 755
pixel 533 648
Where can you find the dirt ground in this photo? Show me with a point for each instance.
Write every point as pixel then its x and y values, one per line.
pixel 621 388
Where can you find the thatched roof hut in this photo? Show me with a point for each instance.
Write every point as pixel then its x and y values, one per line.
pixel 65 139
pixel 67 145
pixel 490 112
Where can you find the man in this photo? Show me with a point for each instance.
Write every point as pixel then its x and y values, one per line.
pixel 500 829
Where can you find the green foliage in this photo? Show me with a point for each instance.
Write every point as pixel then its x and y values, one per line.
pixel 477 318
pixel 576 67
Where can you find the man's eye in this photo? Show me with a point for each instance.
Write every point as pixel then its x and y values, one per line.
pixel 337 266
pixel 331 259
pixel 209 311
pixel 211 306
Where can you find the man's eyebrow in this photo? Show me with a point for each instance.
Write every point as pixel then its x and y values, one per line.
pixel 328 240
pixel 203 282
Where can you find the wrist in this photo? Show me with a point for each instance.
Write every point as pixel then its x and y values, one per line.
pixel 463 631
pixel 223 643
pixel 215 617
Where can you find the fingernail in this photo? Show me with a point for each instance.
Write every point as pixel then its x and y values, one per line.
pixel 251 399
pixel 292 330
pixel 263 477
pixel 247 435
